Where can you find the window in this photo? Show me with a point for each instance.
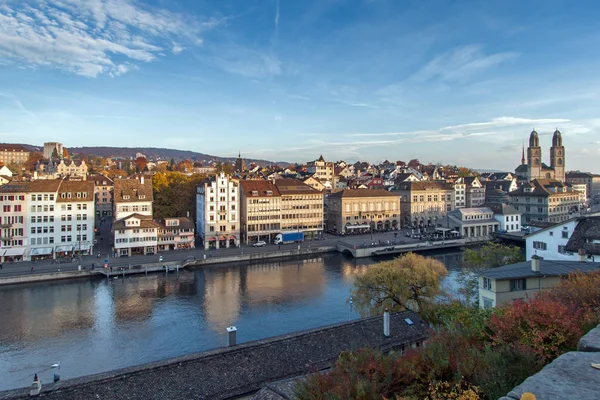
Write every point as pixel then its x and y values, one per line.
pixel 561 249
pixel 487 283
pixel 565 234
pixel 551 233
pixel 539 245
pixel 518 284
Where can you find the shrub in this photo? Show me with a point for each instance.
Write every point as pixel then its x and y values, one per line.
pixel 581 293
pixel 542 324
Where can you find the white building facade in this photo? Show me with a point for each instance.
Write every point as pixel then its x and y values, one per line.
pixel 218 212
pixel 549 243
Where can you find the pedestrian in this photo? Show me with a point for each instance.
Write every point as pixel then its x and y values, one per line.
pixel 279 247
pixel 32 269
pixel 0 266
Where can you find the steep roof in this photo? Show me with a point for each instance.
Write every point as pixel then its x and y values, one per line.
pixel 134 189
pixel 72 188
pixel 586 231
pixel 362 193
pixel 13 147
pixel 503 209
pixel 39 186
pixel 547 268
pixel 260 187
pixel 145 222
pixel 294 186
pixel 99 180
pixel 422 185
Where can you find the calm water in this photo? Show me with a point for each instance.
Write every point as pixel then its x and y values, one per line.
pixel 92 326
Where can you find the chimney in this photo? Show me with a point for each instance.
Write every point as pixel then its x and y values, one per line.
pixel 581 253
pixel 535 263
pixel 188 214
pixel 231 331
pixel 142 179
pixel 36 386
pixel 386 323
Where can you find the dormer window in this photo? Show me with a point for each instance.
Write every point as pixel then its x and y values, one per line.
pixel 269 193
pixel 126 197
pixel 255 193
pixel 142 196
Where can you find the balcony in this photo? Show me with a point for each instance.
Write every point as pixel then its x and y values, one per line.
pixel 6 225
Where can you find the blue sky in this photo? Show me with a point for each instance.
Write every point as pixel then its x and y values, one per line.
pixel 443 81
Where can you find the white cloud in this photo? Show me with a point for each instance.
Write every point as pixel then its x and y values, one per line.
pixel 176 49
pixel 507 121
pixel 460 63
pixel 87 37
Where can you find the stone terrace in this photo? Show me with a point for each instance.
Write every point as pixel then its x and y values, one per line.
pixel 570 376
pixel 243 369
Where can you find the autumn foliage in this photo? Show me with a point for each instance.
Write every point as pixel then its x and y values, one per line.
pixel 471 354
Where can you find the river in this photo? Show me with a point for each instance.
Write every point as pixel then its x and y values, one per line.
pixel 91 326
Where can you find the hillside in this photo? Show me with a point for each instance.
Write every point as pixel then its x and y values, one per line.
pixel 154 153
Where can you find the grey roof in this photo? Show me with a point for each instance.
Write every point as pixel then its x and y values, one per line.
pixel 588 228
pixel 229 372
pixel 280 390
pixel 504 209
pixel 547 268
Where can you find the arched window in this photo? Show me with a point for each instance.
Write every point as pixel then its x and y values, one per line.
pixel 560 162
pixel 548 175
pixel 536 161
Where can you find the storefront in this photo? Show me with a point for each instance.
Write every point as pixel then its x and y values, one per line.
pixel 63 251
pixel 41 253
pixel 13 254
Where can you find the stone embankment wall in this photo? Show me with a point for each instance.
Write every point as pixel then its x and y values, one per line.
pixel 570 376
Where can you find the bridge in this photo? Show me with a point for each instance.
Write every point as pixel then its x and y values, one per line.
pixel 379 249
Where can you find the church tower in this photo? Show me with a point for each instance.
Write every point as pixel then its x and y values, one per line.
pixel 534 156
pixel 557 156
pixel 239 164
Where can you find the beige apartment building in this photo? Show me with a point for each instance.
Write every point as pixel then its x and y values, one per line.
pixel 103 194
pixel 424 203
pixel 360 210
pixel 546 200
pixel 13 153
pixel 260 207
pixel 301 208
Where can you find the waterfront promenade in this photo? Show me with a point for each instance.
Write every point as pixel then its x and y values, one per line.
pixel 51 266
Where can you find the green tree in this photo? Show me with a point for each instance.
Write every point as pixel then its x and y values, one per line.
pixel 409 282
pixel 474 262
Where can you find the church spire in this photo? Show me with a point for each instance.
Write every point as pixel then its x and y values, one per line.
pixel 523 154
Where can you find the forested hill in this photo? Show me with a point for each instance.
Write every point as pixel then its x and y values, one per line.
pixel 153 153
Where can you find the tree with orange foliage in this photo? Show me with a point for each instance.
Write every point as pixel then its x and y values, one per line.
pixel 32 161
pixel 65 152
pixel 185 166
pixel 141 163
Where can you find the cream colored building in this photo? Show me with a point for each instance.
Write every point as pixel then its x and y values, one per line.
pixel 523 280
pixel 424 203
pixel 301 207
pixel 13 153
pixel 546 200
pixel 361 210
pixel 260 206
pixel 321 169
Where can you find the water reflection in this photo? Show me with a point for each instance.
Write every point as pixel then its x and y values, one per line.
pixel 94 326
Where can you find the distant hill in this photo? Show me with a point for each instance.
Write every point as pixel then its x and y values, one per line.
pixel 155 153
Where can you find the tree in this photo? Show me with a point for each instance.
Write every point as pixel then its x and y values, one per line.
pixel 490 255
pixel 140 164
pixel 226 168
pixel 185 166
pixel 65 153
pixel 171 164
pixel 409 282
pixel 55 154
pixel 34 158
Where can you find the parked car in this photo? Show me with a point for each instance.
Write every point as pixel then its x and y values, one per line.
pixel 260 243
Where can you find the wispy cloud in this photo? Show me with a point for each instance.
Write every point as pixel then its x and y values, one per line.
pixel 87 37
pixel 507 121
pixel 460 63
pixel 14 100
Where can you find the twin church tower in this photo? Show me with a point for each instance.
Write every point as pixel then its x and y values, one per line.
pixel 534 168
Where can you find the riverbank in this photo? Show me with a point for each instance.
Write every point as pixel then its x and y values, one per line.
pixel 172 265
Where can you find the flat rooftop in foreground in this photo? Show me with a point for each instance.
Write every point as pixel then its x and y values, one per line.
pixel 229 372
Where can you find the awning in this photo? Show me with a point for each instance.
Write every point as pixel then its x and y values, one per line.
pixel 357 226
pixel 212 239
pixel 222 237
pixel 231 237
pixel 84 247
pixel 62 249
pixel 1 252
pixel 41 251
pixel 17 251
